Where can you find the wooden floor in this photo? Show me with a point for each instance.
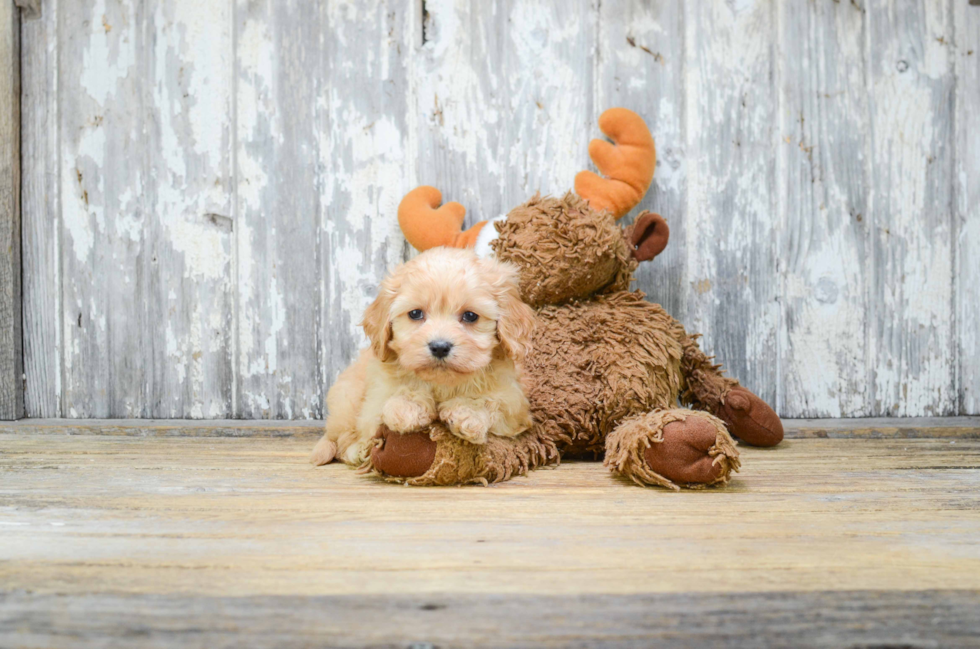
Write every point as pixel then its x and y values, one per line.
pixel 151 539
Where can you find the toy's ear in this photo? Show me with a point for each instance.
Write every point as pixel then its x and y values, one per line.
pixel 427 225
pixel 627 163
pixel 648 236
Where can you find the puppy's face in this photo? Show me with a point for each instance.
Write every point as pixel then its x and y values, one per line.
pixel 445 314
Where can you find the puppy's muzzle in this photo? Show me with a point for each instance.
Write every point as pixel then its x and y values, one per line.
pixel 440 348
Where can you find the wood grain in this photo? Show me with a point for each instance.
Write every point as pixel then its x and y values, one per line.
pixel 185 270
pixel 190 526
pixel 102 170
pixel 11 339
pixel 641 66
pixel 731 169
pixel 911 276
pixel 831 619
pixel 367 162
pixel 311 429
pixel 41 225
pixel 210 516
pixel 210 187
pixel 29 9
pixel 965 53
pixel 278 58
pixel 823 195
pixel 884 427
pixel 504 93
pixel 869 428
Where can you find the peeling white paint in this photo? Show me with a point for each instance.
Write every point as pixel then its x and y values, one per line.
pixel 453 100
pixel 730 195
pixel 108 59
pixel 245 280
pixel 203 247
pixel 550 51
pixel 498 103
pixel 913 336
pixel 191 225
pixel 966 21
pixel 83 201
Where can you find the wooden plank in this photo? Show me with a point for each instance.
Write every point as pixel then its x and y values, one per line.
pixel 366 155
pixel 322 138
pixel 42 235
pixel 911 263
pixel 966 223
pixel 102 171
pixel 278 70
pixel 641 66
pixel 11 340
pixel 933 618
pixel 885 427
pixel 310 429
pixel 869 428
pixel 504 100
pixel 730 109
pixel 29 9
pixel 822 215
pixel 186 268
pixel 91 515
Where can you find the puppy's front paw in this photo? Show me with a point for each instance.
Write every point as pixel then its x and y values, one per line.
pixel 403 415
pixel 357 453
pixel 471 424
pixel 324 452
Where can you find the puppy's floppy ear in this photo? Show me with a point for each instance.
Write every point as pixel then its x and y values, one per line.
pixel 516 321
pixel 377 320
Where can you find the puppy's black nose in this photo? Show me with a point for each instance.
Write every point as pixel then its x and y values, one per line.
pixel 440 348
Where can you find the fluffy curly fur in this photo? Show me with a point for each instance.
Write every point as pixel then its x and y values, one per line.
pixel 607 369
pixel 600 356
pixel 447 331
pixel 564 249
pixel 582 380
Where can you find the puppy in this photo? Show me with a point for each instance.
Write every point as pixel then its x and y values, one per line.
pixel 448 332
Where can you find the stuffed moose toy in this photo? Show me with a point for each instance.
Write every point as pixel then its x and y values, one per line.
pixel 607 368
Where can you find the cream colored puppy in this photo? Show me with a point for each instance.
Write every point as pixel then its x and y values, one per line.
pixel 448 331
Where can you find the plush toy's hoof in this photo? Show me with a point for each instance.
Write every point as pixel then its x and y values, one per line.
pixel 683 455
pixel 750 419
pixel 403 455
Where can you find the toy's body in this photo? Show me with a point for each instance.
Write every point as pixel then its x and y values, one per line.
pixel 606 368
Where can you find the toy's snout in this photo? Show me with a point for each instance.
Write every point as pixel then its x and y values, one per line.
pixel 649 236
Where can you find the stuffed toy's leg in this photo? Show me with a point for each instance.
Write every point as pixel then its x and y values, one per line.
pixel 748 417
pixel 669 448
pixel 437 457
pixel 672 448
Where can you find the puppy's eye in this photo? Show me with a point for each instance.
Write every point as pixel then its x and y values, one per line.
pixel 469 316
pixel 416 314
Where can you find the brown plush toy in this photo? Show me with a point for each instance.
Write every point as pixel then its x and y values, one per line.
pixel 607 368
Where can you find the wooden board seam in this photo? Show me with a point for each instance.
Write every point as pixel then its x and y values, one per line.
pixel 871 428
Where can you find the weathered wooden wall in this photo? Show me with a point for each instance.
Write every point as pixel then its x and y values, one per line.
pixel 209 186
pixel 11 356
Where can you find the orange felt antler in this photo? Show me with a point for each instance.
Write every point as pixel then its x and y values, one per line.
pixel 425 226
pixel 627 164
